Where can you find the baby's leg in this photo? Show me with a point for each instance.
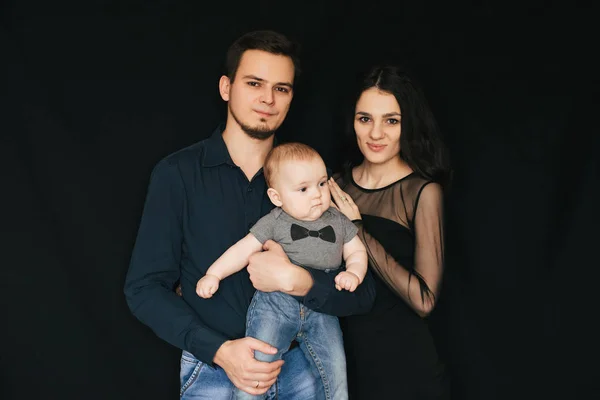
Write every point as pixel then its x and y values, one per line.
pixel 273 318
pixel 321 341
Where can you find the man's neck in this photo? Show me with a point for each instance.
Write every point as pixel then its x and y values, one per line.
pixel 247 153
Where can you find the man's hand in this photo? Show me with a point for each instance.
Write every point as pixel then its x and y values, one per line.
pixel 346 280
pixel 272 271
pixel 207 286
pixel 236 357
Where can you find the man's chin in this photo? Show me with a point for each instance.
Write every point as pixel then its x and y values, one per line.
pixel 259 133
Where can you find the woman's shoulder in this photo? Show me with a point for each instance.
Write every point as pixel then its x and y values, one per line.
pixel 415 182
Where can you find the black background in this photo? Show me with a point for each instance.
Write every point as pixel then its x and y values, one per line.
pixel 97 92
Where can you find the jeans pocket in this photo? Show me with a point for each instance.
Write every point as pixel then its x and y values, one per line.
pixel 189 370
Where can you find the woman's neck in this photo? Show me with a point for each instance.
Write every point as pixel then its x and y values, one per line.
pixel 375 176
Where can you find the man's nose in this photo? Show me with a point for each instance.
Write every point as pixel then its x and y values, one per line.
pixel 267 96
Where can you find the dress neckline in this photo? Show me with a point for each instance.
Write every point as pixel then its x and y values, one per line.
pixel 377 189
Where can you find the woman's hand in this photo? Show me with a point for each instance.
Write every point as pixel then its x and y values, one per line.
pixel 343 202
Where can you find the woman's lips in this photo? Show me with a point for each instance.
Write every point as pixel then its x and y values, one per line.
pixel 376 147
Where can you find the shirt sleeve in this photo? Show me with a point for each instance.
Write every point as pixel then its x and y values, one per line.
pixel 264 228
pixel 324 297
pixel 350 230
pixel 154 270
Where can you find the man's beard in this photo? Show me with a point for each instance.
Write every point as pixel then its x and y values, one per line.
pixel 260 133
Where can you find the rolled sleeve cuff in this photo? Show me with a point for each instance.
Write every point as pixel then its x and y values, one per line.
pixel 321 288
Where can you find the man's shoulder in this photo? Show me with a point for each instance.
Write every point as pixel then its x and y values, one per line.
pixel 186 155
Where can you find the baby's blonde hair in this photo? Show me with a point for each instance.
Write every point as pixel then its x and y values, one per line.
pixel 293 151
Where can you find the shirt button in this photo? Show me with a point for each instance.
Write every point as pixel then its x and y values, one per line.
pixel 249 189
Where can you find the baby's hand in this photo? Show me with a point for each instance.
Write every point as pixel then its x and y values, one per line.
pixel 207 286
pixel 346 280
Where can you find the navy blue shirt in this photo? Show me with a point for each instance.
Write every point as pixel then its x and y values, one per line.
pixel 198 204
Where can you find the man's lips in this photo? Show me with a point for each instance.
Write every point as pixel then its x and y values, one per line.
pixel 263 113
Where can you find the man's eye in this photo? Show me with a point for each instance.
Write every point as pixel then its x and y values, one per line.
pixel 252 83
pixel 282 89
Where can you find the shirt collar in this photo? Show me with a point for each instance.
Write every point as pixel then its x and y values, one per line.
pixel 215 149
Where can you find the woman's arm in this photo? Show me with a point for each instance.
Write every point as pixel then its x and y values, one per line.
pixel 420 286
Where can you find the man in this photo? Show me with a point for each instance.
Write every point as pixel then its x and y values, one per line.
pixel 200 201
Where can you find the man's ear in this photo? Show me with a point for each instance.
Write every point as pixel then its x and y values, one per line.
pixel 274 197
pixel 224 86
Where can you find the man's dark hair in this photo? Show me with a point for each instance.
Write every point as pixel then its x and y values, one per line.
pixel 268 41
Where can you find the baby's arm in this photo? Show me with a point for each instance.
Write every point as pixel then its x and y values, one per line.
pixel 233 260
pixel 355 256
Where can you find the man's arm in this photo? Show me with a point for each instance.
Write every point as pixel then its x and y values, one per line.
pixel 149 290
pixel 271 270
pixel 154 270
pixel 324 297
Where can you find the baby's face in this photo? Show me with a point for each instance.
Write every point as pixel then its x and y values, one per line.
pixel 303 189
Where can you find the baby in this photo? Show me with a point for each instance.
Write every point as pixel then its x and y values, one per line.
pixel 314 235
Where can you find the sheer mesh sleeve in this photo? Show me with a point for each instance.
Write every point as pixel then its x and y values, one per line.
pixel 417 205
pixel 428 226
pixel 399 278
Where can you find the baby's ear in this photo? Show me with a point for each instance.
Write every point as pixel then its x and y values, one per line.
pixel 274 197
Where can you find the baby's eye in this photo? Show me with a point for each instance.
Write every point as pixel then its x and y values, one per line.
pixel 322 184
pixel 303 189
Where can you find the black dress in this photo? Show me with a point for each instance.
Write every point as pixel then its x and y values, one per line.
pixel 390 351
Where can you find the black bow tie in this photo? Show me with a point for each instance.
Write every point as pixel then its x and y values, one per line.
pixel 299 232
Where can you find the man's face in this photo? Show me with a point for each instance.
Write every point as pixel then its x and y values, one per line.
pixel 260 95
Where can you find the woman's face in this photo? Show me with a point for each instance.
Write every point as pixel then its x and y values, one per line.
pixel 377 126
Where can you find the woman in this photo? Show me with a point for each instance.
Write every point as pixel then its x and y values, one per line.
pixel 392 189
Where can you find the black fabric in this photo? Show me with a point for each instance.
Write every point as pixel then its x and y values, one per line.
pixel 199 203
pixel 299 232
pixel 393 225
pixel 191 193
pixel 94 94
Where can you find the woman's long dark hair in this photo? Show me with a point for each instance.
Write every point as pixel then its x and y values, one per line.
pixel 421 144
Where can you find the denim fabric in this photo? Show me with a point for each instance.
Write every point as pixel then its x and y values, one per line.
pixel 200 381
pixel 278 319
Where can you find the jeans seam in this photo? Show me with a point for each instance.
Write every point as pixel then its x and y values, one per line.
pixel 192 378
pixel 250 313
pixel 319 366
